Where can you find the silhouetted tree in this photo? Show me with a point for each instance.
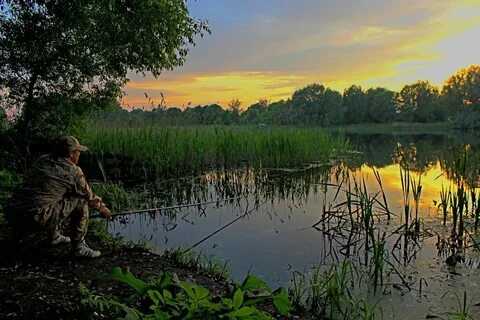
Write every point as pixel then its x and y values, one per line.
pixel 461 95
pixel 419 102
pixel 316 104
pixel 355 105
pixel 255 113
pixel 462 89
pixel 381 105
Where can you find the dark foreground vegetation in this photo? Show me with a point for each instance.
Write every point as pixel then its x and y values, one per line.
pixel 127 281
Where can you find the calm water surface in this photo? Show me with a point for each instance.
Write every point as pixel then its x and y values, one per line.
pixel 279 208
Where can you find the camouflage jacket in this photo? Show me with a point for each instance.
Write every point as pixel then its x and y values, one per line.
pixel 50 181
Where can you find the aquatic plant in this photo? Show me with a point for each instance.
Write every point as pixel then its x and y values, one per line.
pixel 416 193
pixel 462 312
pixel 178 151
pixel 331 293
pixel 377 262
pixel 445 198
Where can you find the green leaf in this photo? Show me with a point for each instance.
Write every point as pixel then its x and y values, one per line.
pixel 155 296
pixel 237 298
pixel 227 302
pixel 131 313
pixel 282 302
pixel 200 292
pixel 128 278
pixel 242 312
pixel 163 282
pixel 167 295
pixel 188 288
pixel 252 282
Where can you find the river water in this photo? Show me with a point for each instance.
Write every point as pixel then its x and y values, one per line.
pixel 292 220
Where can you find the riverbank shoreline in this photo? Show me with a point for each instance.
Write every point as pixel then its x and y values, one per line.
pixel 45 283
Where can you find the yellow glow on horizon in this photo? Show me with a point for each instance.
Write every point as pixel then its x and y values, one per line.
pixel 248 87
pixel 431 50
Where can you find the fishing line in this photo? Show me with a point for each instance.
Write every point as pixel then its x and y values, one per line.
pixel 196 244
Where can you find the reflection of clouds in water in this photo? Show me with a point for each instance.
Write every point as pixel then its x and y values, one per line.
pixel 278 237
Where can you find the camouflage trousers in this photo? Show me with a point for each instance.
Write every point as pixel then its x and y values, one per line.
pixel 68 217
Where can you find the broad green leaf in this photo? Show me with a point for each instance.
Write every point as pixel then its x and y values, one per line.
pixel 128 278
pixel 155 296
pixel 228 303
pixel 242 312
pixel 282 302
pixel 167 295
pixel 252 282
pixel 163 282
pixel 188 288
pixel 131 314
pixel 237 298
pixel 200 292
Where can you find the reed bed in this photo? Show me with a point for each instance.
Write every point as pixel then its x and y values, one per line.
pixel 185 150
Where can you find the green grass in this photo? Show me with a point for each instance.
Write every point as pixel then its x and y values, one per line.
pixel 184 150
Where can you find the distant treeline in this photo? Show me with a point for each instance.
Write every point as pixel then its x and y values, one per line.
pixel 457 101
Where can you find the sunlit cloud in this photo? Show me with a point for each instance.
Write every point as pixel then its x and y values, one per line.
pixel 219 88
pixel 271 51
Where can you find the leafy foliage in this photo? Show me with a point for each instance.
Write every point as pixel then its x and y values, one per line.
pixel 166 297
pixel 420 102
pixel 462 89
pixel 67 55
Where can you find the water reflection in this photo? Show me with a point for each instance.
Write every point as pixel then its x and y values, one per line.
pixel 284 220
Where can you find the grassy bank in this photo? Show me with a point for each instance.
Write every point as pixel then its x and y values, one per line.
pixel 183 150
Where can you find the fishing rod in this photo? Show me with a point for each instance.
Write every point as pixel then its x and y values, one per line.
pixel 125 213
pixel 247 212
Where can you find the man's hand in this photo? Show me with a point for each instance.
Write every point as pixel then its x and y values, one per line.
pixel 105 212
pixel 95 203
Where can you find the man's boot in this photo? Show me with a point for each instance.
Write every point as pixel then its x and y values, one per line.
pixel 59 238
pixel 82 250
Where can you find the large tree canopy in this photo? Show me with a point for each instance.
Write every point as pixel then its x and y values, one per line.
pixel 463 88
pixel 419 102
pixel 84 49
pixel 355 104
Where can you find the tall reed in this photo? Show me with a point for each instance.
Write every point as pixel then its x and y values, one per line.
pixel 181 150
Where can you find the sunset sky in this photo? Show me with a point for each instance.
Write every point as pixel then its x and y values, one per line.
pixel 270 48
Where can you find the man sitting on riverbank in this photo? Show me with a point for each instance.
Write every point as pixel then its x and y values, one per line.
pixel 55 193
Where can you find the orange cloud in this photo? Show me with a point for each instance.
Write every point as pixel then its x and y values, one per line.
pixel 220 87
pixel 369 53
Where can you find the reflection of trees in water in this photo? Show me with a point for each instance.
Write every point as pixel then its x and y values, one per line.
pixel 462 163
pixel 420 152
pixel 414 152
pixel 292 185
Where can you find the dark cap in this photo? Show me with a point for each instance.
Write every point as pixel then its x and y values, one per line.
pixel 71 143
